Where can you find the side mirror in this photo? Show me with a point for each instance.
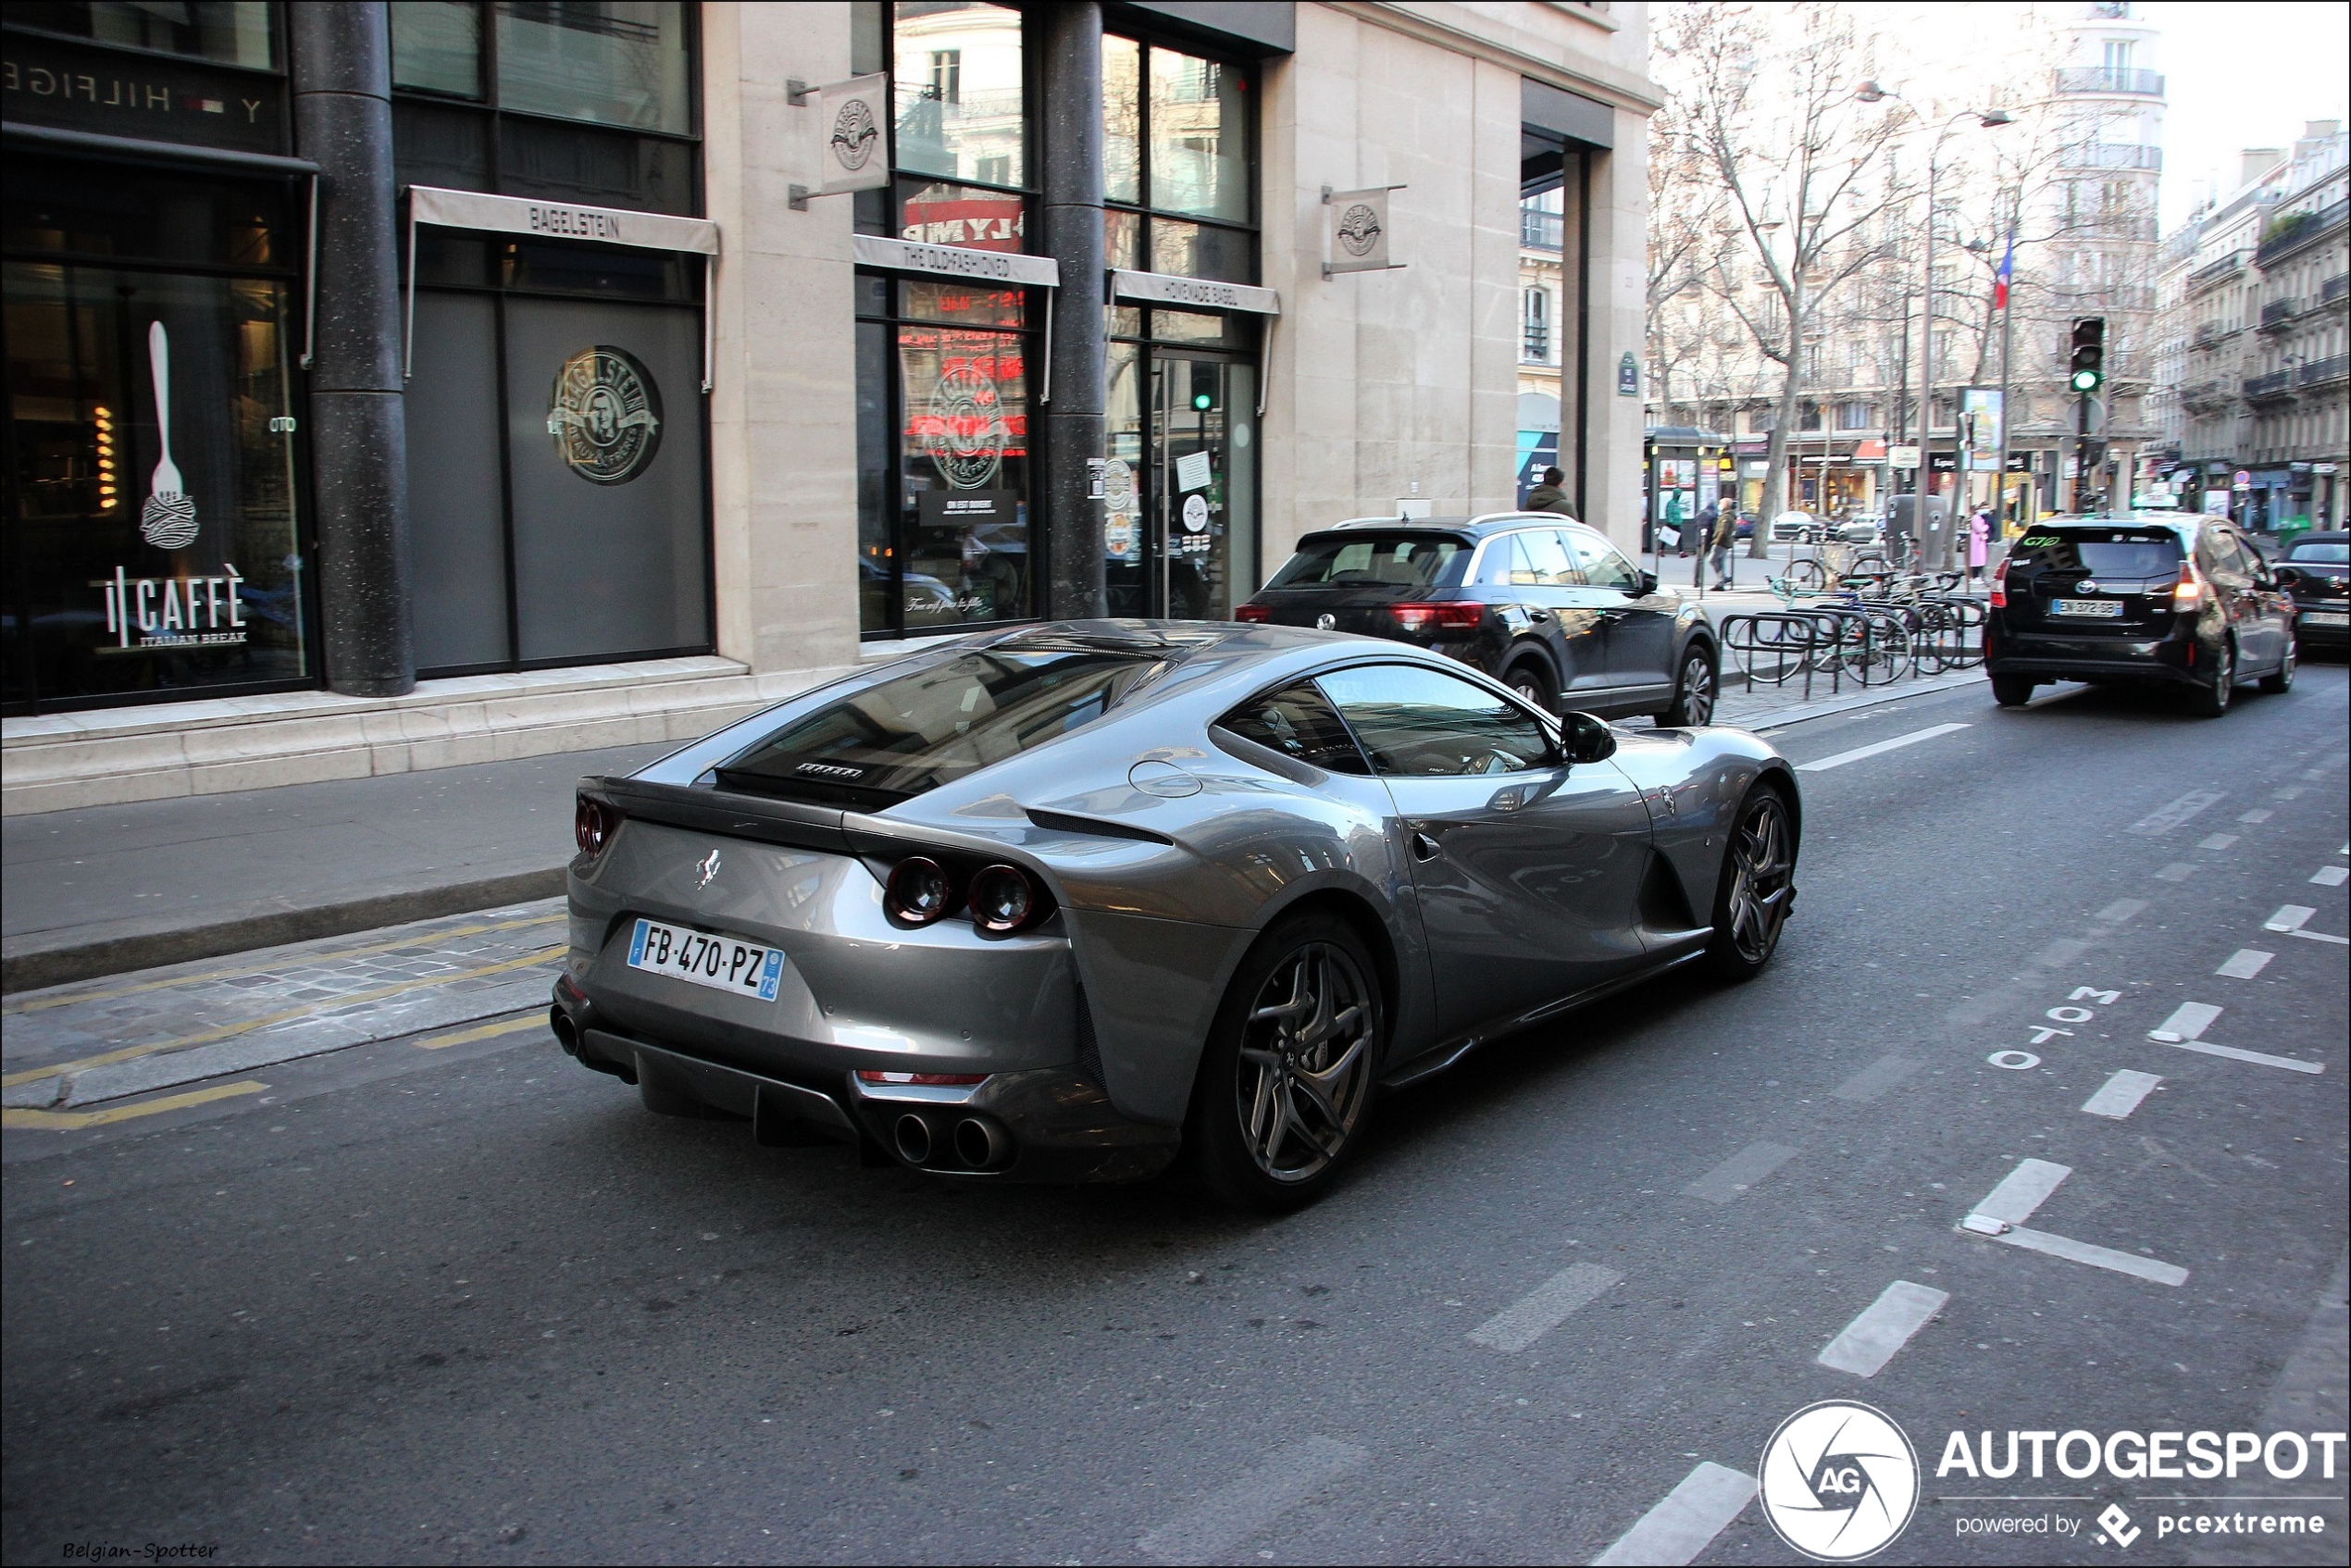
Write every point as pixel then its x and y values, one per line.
pixel 1586 739
pixel 1648 584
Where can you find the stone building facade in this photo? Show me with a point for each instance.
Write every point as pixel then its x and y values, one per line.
pixel 521 383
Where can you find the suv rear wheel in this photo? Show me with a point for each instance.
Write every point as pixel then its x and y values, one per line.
pixel 2211 699
pixel 1531 680
pixel 1694 690
pixel 2012 691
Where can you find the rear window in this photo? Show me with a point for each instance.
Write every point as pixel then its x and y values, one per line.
pixel 1411 561
pixel 894 740
pixel 2116 553
pixel 2322 553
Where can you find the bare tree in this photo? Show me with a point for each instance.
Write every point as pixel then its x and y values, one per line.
pixel 1771 114
pixel 1685 209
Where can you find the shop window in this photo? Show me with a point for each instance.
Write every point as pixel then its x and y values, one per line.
pixel 232 32
pixel 612 62
pixel 942 457
pixel 436 46
pixel 1177 135
pixel 957 92
pixel 156 542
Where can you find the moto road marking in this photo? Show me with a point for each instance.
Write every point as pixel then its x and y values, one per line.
pixel 2164 818
pixel 1858 752
pixel 2096 1257
pixel 2330 875
pixel 2001 1217
pixel 1207 1531
pixel 2187 1021
pixel 1686 1521
pixel 70 1121
pixel 2246 963
pixel 1741 1171
pixel 2022 1190
pixel 1544 1308
pixel 2235 1053
pixel 1876 1079
pixel 2121 1094
pixel 1885 1327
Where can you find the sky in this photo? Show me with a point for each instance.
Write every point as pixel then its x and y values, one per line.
pixel 2243 74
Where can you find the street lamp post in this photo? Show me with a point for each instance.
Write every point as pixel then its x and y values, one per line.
pixel 1870 92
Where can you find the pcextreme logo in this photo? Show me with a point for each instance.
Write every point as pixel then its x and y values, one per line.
pixel 1839 1481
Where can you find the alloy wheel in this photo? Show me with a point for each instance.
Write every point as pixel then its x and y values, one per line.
pixel 2225 677
pixel 1305 1066
pixel 1763 867
pixel 1698 690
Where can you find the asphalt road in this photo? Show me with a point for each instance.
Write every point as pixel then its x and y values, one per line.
pixel 474 1304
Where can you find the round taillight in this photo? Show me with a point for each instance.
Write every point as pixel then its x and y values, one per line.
pixel 1002 899
pixel 918 891
pixel 593 825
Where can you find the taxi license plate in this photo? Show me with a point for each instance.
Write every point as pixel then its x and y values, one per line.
pixel 2108 608
pixel 726 964
pixel 2327 617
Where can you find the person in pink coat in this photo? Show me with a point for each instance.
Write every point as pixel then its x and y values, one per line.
pixel 1979 541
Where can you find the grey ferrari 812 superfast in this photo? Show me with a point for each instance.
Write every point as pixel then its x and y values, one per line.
pixel 1073 902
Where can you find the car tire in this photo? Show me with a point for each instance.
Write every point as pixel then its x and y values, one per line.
pixel 1531 680
pixel 1696 690
pixel 1756 886
pixel 2280 681
pixel 1271 1092
pixel 2012 691
pixel 2210 699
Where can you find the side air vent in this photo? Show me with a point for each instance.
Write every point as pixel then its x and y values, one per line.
pixel 1089 1049
pixel 1664 906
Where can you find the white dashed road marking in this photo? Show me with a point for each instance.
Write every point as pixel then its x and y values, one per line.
pixel 2178 871
pixel 2187 1021
pixel 2184 1030
pixel 1544 1308
pixel 1206 1531
pixel 2121 1094
pixel 2244 963
pixel 2167 818
pixel 2217 842
pixel 2001 1217
pixel 2121 909
pixel 1740 1171
pixel 1858 752
pixel 2258 814
pixel 1870 1341
pixel 2288 918
pixel 1686 1521
pixel 2330 875
pixel 1876 1079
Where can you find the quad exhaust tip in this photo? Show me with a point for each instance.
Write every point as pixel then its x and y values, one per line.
pixel 982 1145
pixel 969 1143
pixel 914 1139
pixel 567 1032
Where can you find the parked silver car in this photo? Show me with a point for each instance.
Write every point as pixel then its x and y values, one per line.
pixel 1066 901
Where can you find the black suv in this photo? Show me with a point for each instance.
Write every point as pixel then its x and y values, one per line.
pixel 1543 603
pixel 2155 599
pixel 2316 573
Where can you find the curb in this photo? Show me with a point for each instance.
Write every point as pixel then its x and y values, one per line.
pixel 1870 699
pixel 29 965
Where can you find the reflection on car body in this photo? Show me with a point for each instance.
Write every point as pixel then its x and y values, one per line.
pixel 1066 901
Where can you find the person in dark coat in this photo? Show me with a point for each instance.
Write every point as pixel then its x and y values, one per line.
pixel 1548 497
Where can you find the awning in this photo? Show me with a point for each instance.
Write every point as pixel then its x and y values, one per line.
pixel 563 220
pixel 1194 293
pixel 955 261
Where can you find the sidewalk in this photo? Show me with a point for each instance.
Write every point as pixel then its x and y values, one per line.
pixel 107 890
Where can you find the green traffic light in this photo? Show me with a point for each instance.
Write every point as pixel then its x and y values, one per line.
pixel 1202 402
pixel 2086 380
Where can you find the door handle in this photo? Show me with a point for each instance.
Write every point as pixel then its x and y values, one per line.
pixel 1423 847
pixel 1539 615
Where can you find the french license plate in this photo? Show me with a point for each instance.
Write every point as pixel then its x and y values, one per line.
pixel 2111 609
pixel 2327 617
pixel 726 963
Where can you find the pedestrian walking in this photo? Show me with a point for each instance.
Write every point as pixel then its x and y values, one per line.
pixel 1722 535
pixel 1548 497
pixel 1979 543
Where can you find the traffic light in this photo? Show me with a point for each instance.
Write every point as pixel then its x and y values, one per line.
pixel 1203 385
pixel 2089 353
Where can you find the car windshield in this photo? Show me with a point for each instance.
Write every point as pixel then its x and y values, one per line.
pixel 899 738
pixel 2101 551
pixel 1407 560
pixel 2322 553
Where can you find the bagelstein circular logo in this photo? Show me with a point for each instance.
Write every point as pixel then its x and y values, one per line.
pixel 605 415
pixel 964 435
pixel 1359 230
pixel 854 134
pixel 1839 1481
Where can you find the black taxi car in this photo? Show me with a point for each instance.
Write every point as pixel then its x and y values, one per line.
pixel 2316 572
pixel 2146 598
pixel 1543 603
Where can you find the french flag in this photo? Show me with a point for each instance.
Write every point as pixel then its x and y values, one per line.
pixel 2008 270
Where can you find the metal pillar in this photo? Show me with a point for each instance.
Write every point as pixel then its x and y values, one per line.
pixel 1072 425
pixel 358 426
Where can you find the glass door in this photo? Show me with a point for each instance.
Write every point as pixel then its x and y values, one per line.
pixel 1201 486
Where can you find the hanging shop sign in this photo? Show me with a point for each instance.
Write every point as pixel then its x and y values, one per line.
pixel 1356 232
pixel 1193 293
pixel 853 117
pixel 1903 456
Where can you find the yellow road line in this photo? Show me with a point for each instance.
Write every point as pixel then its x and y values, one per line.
pixel 35 1005
pixel 67 1121
pixel 132 1053
pixel 504 1026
